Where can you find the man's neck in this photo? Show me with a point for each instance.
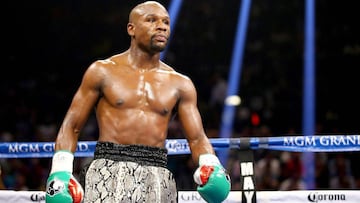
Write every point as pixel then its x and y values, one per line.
pixel 139 59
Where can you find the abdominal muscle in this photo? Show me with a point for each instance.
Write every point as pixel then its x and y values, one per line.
pixel 132 126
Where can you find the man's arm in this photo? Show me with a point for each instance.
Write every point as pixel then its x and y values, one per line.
pixel 81 106
pixel 61 185
pixel 191 121
pixel 214 182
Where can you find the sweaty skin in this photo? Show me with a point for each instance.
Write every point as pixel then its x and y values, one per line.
pixel 134 93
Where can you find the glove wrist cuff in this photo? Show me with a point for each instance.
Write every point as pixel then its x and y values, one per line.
pixel 62 161
pixel 209 159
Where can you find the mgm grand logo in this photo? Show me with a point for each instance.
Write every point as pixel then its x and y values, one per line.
pixel 318 197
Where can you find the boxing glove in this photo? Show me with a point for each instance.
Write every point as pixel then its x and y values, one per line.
pixel 213 181
pixel 61 185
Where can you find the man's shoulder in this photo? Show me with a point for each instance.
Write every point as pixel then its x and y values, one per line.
pixel 166 67
pixel 115 59
pixel 171 70
pixel 109 61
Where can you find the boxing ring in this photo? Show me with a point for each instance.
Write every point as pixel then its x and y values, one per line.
pixel 316 143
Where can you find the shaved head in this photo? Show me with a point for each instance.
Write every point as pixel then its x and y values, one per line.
pixel 149 26
pixel 141 9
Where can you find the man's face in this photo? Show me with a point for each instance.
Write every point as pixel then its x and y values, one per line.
pixel 151 27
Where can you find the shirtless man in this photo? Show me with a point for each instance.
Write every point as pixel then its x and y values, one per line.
pixel 133 94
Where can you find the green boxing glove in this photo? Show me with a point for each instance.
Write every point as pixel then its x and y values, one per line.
pixel 214 182
pixel 61 186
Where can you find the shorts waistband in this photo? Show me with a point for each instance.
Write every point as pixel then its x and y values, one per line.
pixel 143 155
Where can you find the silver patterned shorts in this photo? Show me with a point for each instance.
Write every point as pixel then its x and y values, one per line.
pixel 129 174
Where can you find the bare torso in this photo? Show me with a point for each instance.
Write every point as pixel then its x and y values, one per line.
pixel 135 104
pixel 134 93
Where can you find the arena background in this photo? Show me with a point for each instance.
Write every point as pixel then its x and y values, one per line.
pixel 47 45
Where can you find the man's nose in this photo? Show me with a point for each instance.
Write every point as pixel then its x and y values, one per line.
pixel 162 26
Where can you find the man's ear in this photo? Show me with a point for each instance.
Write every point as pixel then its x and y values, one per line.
pixel 130 29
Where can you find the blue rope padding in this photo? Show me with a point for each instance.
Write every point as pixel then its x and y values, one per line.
pixel 316 143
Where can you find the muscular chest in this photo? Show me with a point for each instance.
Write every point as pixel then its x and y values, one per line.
pixel 149 90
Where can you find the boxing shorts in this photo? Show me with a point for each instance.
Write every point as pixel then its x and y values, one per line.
pixel 129 173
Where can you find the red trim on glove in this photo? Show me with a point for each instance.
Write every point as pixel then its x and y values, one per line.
pixel 76 191
pixel 205 172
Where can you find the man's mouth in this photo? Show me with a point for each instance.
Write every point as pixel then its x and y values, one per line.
pixel 160 38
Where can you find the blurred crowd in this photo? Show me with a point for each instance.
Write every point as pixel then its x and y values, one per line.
pixel 59 39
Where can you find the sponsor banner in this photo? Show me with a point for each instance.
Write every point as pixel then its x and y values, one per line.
pixel 41 149
pixel 300 196
pixel 194 197
pixel 247 175
pixel 320 143
pixel 177 146
pixel 10 196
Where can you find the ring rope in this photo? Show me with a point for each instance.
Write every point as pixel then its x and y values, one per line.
pixel 315 143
